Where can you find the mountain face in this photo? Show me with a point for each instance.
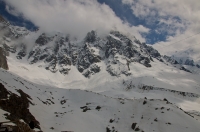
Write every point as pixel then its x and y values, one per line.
pixel 110 83
pixel 58 53
pixel 64 61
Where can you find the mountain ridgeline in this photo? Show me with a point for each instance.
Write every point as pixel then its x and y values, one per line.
pixel 60 52
pixel 116 50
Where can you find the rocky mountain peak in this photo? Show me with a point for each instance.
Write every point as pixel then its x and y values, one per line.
pixel 59 53
pixel 91 37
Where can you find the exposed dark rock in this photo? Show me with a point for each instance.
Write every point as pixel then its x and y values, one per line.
pixel 92 70
pixel 87 73
pixel 108 129
pixel 146 63
pixel 133 126
pixel 16 105
pixel 85 108
pixel 74 57
pixel 165 99
pixel 64 60
pixel 137 41
pixel 42 40
pixel 22 52
pixel 11 49
pixel 80 68
pixel 95 68
pixel 98 108
pixel 52 128
pixel 90 37
pixel 3 60
pixel 150 50
pixel 34 56
pixel 42 57
pixel 137 129
pixel 111 120
pixel 189 62
pixel 64 71
pixel 169 59
pixel 161 60
pixel 148 88
pixel 51 58
pixel 56 48
pixel 111 71
pixel 94 58
pixel 32 125
pixel 3 91
pixel 87 60
pixel 63 101
pixel 144 102
pixel 30 54
pixel 52 65
pixel 83 63
pixel 184 69
pixel 168 123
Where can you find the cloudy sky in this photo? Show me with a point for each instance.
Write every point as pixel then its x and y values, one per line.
pixel 151 21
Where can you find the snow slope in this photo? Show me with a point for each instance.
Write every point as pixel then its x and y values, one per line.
pixel 167 81
pixel 159 75
pixel 77 110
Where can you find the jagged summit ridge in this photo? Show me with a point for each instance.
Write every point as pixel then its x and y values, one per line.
pixel 59 52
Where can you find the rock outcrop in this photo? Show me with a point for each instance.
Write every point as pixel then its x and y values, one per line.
pixel 17 106
pixel 3 60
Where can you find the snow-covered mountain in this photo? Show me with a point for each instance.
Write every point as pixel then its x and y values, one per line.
pixel 185 53
pixel 109 82
pixel 60 52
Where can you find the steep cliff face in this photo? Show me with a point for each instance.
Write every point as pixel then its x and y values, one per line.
pixel 3 61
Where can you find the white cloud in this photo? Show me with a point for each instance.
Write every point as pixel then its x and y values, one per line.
pixel 177 15
pixel 179 18
pixel 11 11
pixel 76 17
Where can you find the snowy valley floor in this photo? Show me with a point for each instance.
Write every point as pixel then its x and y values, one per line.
pixel 83 111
